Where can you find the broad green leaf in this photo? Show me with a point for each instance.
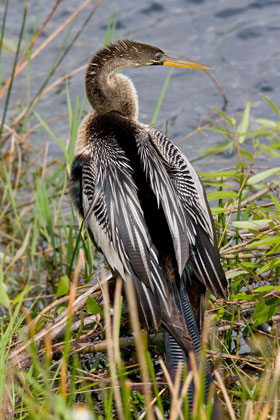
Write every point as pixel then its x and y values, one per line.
pixel 267 240
pixel 248 155
pixel 92 307
pixel 63 286
pixel 218 210
pixel 251 224
pixel 262 175
pixel 266 123
pixel 220 314
pixel 234 274
pixel 221 194
pixel 274 263
pixel 269 150
pixel 242 296
pixel 249 264
pixel 244 123
pixel 264 311
pixel 263 289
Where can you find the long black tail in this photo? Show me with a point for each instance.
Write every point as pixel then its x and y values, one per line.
pixel 175 354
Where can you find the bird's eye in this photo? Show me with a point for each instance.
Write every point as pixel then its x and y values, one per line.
pixel 158 56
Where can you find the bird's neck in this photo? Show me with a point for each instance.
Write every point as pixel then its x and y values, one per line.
pixel 107 91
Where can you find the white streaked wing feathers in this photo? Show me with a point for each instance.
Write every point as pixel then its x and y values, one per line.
pixel 124 237
pixel 189 190
pixel 185 179
pixel 166 197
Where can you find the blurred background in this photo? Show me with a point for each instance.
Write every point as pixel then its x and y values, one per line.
pixel 240 39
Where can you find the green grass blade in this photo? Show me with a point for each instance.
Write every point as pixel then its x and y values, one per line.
pixel 161 96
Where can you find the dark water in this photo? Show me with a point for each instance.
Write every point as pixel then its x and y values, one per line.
pixel 240 39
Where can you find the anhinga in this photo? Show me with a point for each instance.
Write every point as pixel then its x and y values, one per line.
pixel 144 205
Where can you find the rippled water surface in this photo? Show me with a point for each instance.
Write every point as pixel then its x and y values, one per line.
pixel 240 39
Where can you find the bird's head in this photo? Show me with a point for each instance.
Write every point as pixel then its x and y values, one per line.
pixel 110 91
pixel 137 54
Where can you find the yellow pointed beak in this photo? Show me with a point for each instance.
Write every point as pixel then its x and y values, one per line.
pixel 175 62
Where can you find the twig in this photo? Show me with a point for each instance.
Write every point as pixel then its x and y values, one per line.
pixel 256 195
pixel 219 88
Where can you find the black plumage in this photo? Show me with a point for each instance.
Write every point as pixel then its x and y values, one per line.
pixel 144 204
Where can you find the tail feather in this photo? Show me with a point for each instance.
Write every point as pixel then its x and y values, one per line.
pixel 176 354
pixel 189 318
pixel 192 327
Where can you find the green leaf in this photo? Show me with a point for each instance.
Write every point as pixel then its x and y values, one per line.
pixel 229 120
pixel 220 314
pixel 251 224
pixel 221 194
pixel 248 155
pixel 264 311
pixel 266 123
pixel 242 296
pixel 274 263
pixel 234 274
pixel 275 201
pixel 267 240
pixel 249 264
pixel 263 289
pixel 4 297
pixel 244 123
pixel 92 307
pixel 274 107
pixel 218 210
pixel 22 294
pixel 222 174
pixel 61 308
pixel 63 286
pixel 262 175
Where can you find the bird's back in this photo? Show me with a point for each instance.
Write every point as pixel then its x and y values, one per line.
pixel 123 157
